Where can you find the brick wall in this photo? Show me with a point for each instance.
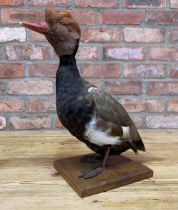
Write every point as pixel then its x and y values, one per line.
pixel 129 48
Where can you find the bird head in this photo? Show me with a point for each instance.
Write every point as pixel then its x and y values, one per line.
pixel 61 30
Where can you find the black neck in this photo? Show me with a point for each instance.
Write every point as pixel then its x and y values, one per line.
pixel 68 67
pixel 67 60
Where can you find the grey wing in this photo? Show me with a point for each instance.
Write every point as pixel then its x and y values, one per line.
pixel 110 110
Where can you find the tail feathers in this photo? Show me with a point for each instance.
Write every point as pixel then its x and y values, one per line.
pixel 139 144
pixel 136 139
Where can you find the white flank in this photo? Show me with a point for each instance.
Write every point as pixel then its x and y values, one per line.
pixel 99 137
pixel 126 132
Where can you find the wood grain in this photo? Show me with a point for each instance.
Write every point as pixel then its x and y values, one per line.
pixel 28 180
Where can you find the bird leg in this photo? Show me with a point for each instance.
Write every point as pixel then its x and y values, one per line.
pixel 106 156
pixel 92 172
pixel 91 158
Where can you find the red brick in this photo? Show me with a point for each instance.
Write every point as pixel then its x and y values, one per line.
pixel 144 4
pixel 138 120
pixel 11 70
pixel 162 121
pixel 30 87
pixel 173 35
pixel 100 35
pixel 17 15
pixel 29 122
pixel 50 3
pixel 121 17
pixel 153 105
pixel 43 70
pixel 8 105
pixel 143 35
pixel 124 53
pixel 36 37
pixel 42 105
pixel 133 105
pixel 143 105
pixel 98 3
pixel 164 53
pixel 145 70
pixel 172 105
pixel 123 87
pixel 58 124
pixel 162 17
pixel 84 17
pixel 87 53
pixel 11 2
pixel 174 3
pixel 174 71
pixel 26 52
pixel 2 88
pixel 2 122
pixel 100 70
pixel 162 88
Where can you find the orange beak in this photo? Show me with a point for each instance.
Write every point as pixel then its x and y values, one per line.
pixel 41 27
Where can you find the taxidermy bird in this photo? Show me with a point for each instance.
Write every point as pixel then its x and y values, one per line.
pixel 91 115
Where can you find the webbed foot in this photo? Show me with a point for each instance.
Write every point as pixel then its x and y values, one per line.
pixel 90 173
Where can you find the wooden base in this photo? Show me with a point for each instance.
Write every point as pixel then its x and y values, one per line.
pixel 120 171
